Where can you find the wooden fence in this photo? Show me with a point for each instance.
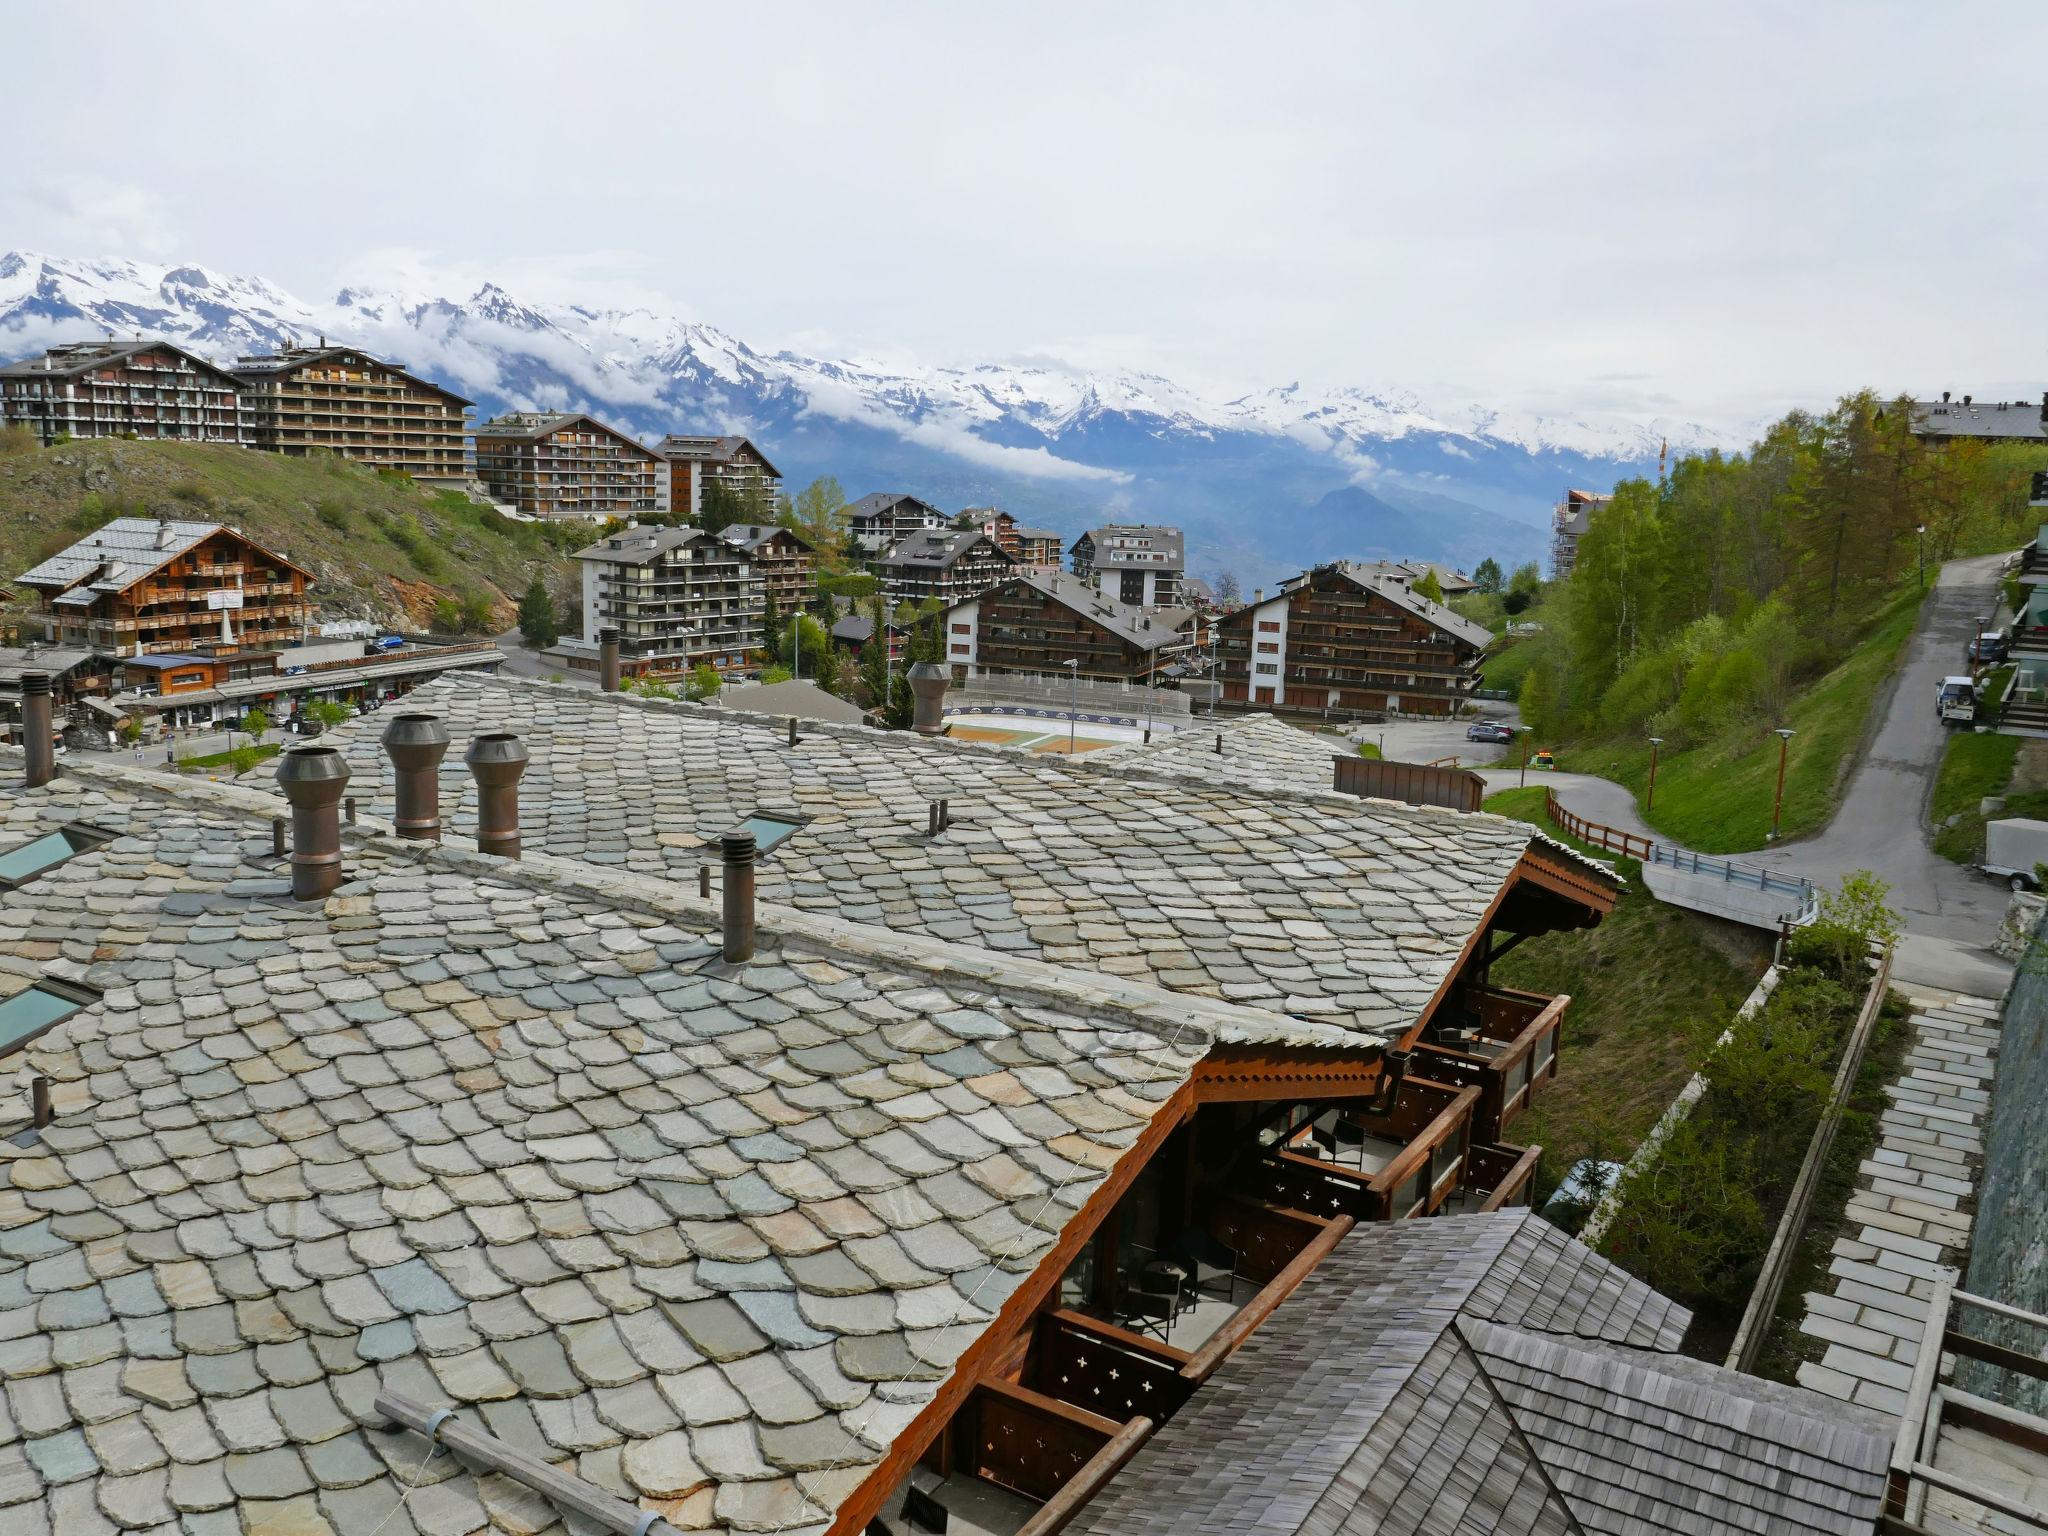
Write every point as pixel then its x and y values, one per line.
pixel 1411 783
pixel 1613 839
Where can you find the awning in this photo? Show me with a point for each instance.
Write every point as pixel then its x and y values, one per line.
pixel 111 711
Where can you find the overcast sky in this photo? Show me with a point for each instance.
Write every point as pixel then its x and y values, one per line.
pixel 1709 213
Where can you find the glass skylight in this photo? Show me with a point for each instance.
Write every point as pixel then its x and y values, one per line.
pixel 21 864
pixel 770 830
pixel 31 1011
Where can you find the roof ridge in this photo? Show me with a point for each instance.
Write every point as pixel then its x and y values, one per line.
pixel 1042 982
pixel 1507 1411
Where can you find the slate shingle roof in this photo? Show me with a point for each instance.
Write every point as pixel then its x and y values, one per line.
pixel 709 1236
pixel 1327 908
pixel 1414 1384
pixel 128 547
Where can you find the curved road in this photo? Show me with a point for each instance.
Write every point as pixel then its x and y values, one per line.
pixel 1951 914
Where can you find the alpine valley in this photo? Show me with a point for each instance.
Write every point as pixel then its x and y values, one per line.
pixel 1263 483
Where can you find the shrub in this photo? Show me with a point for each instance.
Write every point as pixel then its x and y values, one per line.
pixel 15 440
pixel 333 514
pixel 192 493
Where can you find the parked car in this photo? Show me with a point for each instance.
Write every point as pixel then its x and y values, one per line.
pixel 1955 702
pixel 1988 649
pixel 1489 730
pixel 1543 759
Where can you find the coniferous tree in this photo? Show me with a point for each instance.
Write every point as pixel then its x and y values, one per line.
pixel 537 616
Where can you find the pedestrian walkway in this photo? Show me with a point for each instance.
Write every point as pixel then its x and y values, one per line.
pixel 1915 1196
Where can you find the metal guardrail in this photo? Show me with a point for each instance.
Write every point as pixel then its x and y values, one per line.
pixel 1748 875
pixel 1098 694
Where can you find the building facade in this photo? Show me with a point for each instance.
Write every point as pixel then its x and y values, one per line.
pixel 1569 520
pixel 679 597
pixel 344 401
pixel 880 519
pixel 1137 563
pixel 1038 621
pixel 994 522
pixel 944 563
pixel 1338 638
pixel 149 390
pixel 559 466
pixel 1038 547
pixel 688 463
pixel 784 559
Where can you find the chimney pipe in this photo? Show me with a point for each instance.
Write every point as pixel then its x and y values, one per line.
pixel 313 779
pixel 929 681
pixel 36 731
pixel 416 744
pixel 497 760
pixel 41 1113
pixel 608 660
pixel 738 851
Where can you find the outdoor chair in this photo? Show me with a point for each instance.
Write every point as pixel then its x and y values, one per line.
pixel 1207 1261
pixel 1150 1302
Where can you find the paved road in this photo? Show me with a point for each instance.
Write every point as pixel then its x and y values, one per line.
pixel 520 662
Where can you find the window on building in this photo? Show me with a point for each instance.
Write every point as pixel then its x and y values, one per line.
pixel 1269 666
pixel 963 629
pixel 1269 646
pixel 38 1009
pixel 1269 626
pixel 770 831
pixel 21 864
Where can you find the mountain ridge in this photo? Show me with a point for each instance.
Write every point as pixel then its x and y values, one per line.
pixel 1055 443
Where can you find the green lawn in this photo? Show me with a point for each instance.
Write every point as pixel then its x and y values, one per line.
pixel 1973 766
pixel 1717 796
pixel 1644 984
pixel 1506 665
pixel 241 759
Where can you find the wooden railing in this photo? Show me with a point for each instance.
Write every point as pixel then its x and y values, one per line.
pixel 1505 1175
pixel 1106 1369
pixel 1031 1443
pixel 1530 1029
pixel 1613 839
pixel 1266 1236
pixel 1433 1121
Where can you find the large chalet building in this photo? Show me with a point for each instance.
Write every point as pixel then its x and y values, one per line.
pixel 944 563
pixel 1036 621
pixel 344 401
pixel 142 389
pixel 679 598
pixel 783 558
pixel 556 466
pixel 879 520
pixel 690 463
pixel 1137 563
pixel 1348 637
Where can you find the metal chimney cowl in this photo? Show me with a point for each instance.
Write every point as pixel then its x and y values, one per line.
pixel 313 779
pixel 497 760
pixel 929 681
pixel 416 743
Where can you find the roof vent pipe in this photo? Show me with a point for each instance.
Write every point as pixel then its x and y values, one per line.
pixel 496 761
pixel 38 734
pixel 416 744
pixel 929 681
pixel 313 779
pixel 608 660
pixel 737 851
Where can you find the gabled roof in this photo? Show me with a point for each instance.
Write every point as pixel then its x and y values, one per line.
pixel 751 536
pixel 792 696
pixel 120 553
pixel 631 546
pixel 1375 578
pixel 1145 629
pixel 713 450
pixel 938 548
pixel 292 359
pixel 1153 537
pixel 531 426
pixel 879 503
pixel 1486 1373
pixel 81 357
pixel 1345 914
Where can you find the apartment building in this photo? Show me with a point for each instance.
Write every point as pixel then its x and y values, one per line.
pixel 1037 621
pixel 688 463
pixel 786 561
pixel 1137 563
pixel 880 519
pixel 557 466
pixel 143 389
pixel 141 586
pixel 945 563
pixel 1038 547
pixel 1346 637
pixel 345 401
pixel 993 521
pixel 1985 421
pixel 1569 520
pixel 679 597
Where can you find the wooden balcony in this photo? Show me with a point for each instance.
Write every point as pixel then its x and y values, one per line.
pixel 1502 1042
pixel 1028 1442
pixel 1497 1178
pixel 1388 1167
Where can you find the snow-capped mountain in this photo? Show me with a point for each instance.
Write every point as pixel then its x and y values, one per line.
pixel 1056 444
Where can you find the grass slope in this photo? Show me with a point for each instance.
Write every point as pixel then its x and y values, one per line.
pixel 1644 985
pixel 379 545
pixel 1972 767
pixel 1716 796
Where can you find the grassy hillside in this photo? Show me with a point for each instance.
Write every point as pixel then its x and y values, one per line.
pixel 1649 987
pixel 1716 795
pixel 379 545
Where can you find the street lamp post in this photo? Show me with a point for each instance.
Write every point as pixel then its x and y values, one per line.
pixel 1920 533
pixel 1650 801
pixel 1524 730
pixel 1784 735
pixel 1073 666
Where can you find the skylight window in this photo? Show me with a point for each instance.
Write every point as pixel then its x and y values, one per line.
pixel 36 1010
pixel 770 830
pixel 21 864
